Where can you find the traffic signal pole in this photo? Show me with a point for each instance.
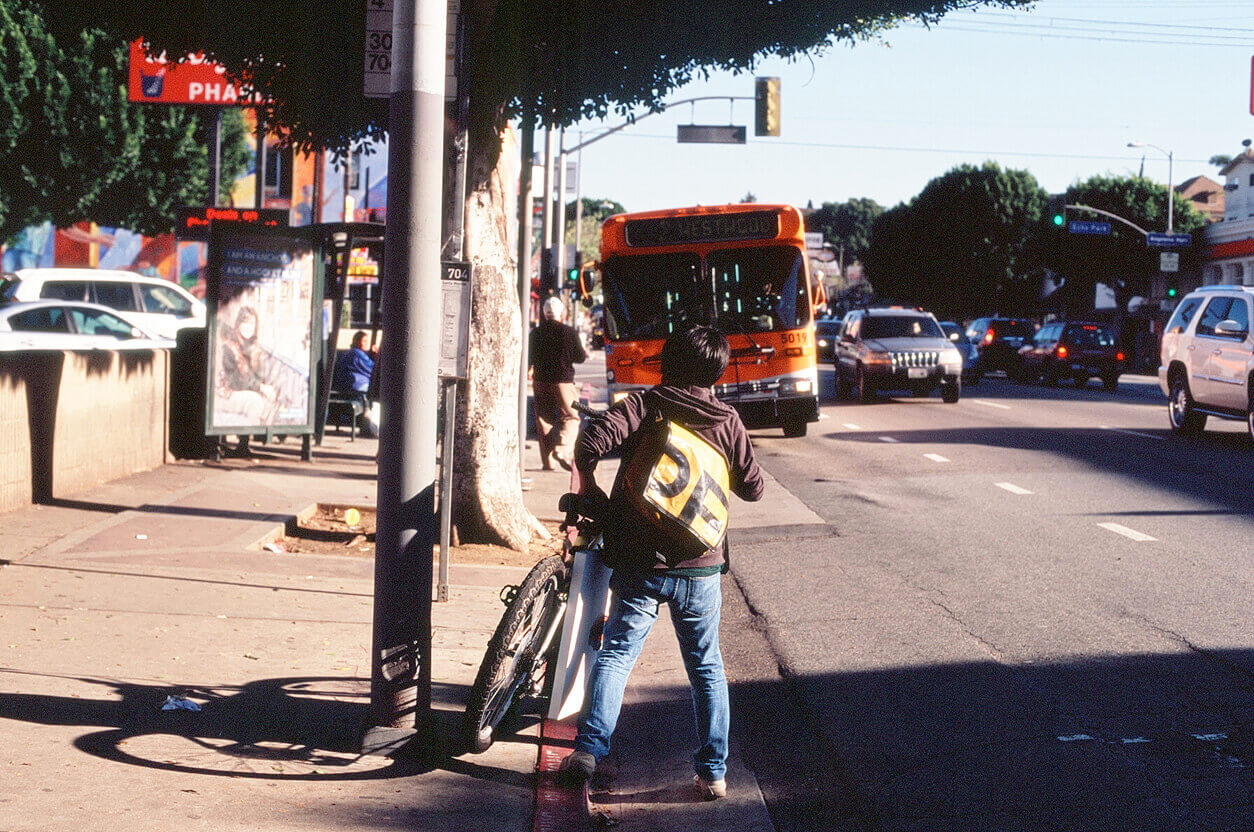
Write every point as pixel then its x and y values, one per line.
pixel 400 657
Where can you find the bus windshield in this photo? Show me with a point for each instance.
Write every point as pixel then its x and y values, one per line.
pixel 759 289
pixel 650 295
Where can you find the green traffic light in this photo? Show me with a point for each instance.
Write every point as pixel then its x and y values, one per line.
pixel 1058 219
pixel 1171 293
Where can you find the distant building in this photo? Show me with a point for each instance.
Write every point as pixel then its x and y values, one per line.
pixel 1230 243
pixel 1206 195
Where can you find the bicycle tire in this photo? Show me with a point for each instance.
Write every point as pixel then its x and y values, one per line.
pixel 510 664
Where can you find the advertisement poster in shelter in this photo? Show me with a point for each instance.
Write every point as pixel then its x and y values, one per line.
pixel 264 293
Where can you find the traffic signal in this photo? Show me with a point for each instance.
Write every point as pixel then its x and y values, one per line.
pixel 1171 291
pixel 1058 210
pixel 766 106
pixel 572 275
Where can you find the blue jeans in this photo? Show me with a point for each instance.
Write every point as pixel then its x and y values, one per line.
pixel 694 605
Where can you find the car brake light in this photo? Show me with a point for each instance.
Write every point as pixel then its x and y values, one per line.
pixel 1118 356
pixel 988 338
pixel 1062 352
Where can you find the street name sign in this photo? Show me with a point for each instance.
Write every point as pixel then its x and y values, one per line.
pixel 1168 240
pixel 1088 227
pixel 712 133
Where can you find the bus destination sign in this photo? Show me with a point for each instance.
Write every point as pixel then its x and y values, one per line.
pixel 702 228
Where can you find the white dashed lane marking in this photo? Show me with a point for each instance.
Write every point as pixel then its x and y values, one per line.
pixel 889 439
pixel 935 457
pixel 1131 534
pixel 1012 488
pixel 851 426
pixel 989 404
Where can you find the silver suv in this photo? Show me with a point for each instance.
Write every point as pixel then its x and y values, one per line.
pixel 1207 361
pixel 896 349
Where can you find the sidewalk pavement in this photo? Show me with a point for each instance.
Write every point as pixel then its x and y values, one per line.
pixel 149 591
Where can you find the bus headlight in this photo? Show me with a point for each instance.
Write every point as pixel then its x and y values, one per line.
pixel 822 342
pixel 795 386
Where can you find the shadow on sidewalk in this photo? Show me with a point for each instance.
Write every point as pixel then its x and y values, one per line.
pixel 288 729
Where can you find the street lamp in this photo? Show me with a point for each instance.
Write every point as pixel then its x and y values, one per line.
pixel 1170 192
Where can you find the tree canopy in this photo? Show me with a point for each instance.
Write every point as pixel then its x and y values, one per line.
pixel 75 149
pixel 961 247
pixel 557 60
pixel 846 225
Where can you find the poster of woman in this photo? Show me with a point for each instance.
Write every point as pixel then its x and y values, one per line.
pixel 263 289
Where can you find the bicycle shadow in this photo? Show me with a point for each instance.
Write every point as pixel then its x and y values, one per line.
pixel 291 729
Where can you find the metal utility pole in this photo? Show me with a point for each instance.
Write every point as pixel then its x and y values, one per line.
pixel 560 210
pixel 259 197
pixel 400 665
pixel 547 275
pixel 524 275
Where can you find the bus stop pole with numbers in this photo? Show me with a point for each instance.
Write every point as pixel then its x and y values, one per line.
pixel 400 672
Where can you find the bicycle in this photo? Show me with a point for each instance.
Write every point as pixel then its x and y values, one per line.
pixel 520 660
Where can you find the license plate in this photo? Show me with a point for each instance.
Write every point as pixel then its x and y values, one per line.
pixel 916 372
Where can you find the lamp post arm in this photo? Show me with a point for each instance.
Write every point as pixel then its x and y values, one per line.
pixel 664 107
pixel 1128 223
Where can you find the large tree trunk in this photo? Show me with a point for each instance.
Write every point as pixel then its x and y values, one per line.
pixel 487 488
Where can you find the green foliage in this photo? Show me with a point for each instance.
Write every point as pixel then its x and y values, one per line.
pixel 1121 260
pixel 556 61
pixel 962 246
pixel 76 149
pixel 846 225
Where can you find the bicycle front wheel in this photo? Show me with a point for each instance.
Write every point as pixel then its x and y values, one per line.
pixel 517 659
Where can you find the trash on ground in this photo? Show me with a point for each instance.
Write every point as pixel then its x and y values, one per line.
pixel 179 703
pixel 274 547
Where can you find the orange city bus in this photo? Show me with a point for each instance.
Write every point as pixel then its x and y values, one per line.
pixel 739 268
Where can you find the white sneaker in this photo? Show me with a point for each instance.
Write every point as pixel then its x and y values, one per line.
pixel 709 789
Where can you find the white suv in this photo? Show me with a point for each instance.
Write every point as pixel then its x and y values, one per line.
pixel 1208 358
pixel 159 306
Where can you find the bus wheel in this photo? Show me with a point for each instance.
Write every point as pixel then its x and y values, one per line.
pixel 795 428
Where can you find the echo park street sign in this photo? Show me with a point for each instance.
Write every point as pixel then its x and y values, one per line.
pixel 1088 227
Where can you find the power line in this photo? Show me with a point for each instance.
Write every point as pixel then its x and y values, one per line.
pixel 908 149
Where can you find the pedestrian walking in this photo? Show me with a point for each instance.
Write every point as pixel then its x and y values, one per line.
pixel 553 350
pixel 652 562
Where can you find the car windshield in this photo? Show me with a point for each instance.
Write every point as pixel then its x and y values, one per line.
pixel 827 326
pixel 900 326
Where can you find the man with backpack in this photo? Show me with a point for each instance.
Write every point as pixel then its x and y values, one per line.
pixel 664 531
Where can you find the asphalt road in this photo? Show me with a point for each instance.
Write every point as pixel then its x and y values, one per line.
pixel 1028 611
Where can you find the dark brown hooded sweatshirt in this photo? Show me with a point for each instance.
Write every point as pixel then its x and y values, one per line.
pixel 631 543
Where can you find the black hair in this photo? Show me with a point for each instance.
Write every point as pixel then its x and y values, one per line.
pixel 696 356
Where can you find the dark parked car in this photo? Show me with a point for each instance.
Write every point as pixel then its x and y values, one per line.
pixel 970 352
pixel 826 334
pixel 1077 350
pixel 999 340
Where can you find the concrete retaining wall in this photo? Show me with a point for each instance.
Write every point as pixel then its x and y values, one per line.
pixel 69 421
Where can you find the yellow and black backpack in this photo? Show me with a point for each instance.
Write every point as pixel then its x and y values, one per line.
pixel 681 484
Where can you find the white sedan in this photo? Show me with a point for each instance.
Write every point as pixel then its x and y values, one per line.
pixel 70 325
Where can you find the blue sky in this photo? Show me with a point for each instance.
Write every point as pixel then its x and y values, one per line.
pixel 1058 90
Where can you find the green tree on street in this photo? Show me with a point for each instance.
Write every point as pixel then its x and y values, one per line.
pixel 1121 259
pixel 962 247
pixel 75 149
pixel 550 62
pixel 846 226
